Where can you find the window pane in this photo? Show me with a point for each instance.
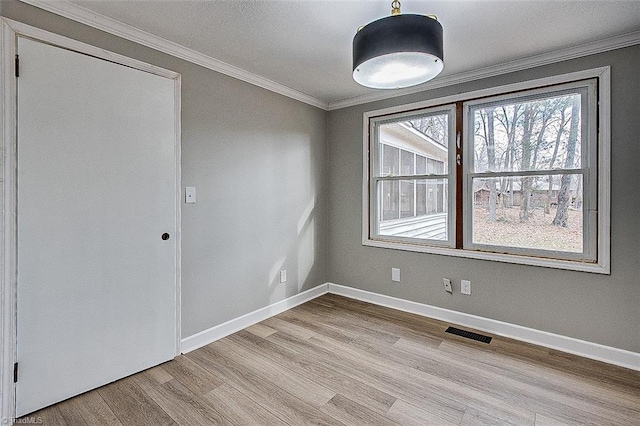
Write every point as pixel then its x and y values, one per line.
pixel 405 145
pixel 426 222
pixel 406 199
pixel 421 198
pixel 390 198
pixel 539 134
pixel 536 212
pixel 432 198
pixel 421 165
pixel 442 198
pixel 406 162
pixel 390 160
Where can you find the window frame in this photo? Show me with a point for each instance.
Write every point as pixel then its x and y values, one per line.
pixel 588 90
pixel 600 183
pixel 375 172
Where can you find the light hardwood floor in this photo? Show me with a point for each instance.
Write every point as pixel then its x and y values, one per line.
pixel 336 361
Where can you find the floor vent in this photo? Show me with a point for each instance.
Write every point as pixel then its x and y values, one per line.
pixel 468 334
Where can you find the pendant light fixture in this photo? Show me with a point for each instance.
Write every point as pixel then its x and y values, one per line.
pixel 398 51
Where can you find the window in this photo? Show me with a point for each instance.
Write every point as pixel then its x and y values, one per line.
pixel 517 174
pixel 411 176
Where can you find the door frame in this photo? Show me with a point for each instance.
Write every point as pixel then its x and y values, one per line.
pixel 10 30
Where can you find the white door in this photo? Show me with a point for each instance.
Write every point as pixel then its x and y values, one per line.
pixel 96 298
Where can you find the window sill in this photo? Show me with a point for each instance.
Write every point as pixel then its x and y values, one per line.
pixel 596 268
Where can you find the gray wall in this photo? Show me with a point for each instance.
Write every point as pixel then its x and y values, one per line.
pixel 258 161
pixel 593 307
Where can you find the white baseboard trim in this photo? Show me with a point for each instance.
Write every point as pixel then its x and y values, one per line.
pixel 608 354
pixel 212 334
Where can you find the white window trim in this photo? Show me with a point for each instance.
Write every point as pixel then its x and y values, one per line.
pixel 451 181
pixel 603 265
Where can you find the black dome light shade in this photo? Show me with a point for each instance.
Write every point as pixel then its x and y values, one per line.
pixel 398 51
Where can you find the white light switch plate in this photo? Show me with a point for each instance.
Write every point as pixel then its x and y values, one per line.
pixel 190 194
pixel 395 274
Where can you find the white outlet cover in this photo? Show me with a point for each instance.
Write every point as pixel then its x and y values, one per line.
pixel 465 287
pixel 395 274
pixel 283 276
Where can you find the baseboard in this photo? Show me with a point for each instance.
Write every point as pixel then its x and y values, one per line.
pixel 205 337
pixel 608 354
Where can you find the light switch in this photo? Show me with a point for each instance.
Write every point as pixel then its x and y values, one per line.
pixel 190 194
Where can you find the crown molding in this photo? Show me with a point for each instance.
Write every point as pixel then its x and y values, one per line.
pixel 604 45
pixel 117 28
pixel 128 32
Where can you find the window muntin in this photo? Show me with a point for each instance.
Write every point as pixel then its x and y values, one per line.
pixel 591 168
pixel 411 176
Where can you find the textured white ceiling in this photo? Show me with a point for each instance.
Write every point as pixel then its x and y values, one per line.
pixel 306 44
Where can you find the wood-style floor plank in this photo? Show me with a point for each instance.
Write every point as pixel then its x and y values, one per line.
pixel 191 375
pixel 152 377
pixel 352 413
pixel 132 405
pixel 428 386
pixel 92 409
pixel 353 366
pixel 184 406
pixel 239 408
pixel 72 416
pixel 287 327
pixel 558 386
pixel 547 421
pixel 362 393
pixel 260 330
pixel 509 389
pixel 409 415
pixel 305 389
pixel 283 404
pixel 47 416
pixel 337 361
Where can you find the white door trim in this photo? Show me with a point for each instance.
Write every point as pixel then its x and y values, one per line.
pixel 10 30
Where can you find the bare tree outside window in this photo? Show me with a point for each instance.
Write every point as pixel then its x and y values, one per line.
pixel 513 143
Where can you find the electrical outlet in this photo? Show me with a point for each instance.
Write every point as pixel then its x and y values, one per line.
pixel 447 285
pixel 395 274
pixel 283 276
pixel 465 287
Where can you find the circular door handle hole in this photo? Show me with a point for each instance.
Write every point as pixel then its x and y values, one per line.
pixel 165 236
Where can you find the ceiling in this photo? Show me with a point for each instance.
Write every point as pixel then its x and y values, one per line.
pixel 305 45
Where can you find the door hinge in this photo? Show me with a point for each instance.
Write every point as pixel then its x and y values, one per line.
pixel 17 66
pixel 15 372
